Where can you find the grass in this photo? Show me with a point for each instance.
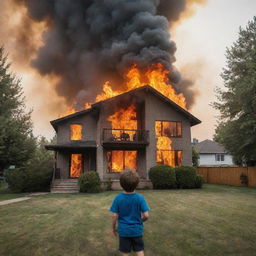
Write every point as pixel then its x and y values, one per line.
pixel 217 220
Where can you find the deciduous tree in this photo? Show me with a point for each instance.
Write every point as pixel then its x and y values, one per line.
pixel 237 102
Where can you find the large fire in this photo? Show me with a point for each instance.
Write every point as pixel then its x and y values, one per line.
pixel 156 76
pixel 164 153
pixel 124 121
pixel 124 124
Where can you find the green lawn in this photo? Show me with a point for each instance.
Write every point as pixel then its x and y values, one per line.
pixel 217 220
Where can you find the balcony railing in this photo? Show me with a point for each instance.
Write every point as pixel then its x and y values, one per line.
pixel 125 136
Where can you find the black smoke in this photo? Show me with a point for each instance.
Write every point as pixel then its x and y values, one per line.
pixel 90 41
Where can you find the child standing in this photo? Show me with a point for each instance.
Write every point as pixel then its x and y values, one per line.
pixel 131 210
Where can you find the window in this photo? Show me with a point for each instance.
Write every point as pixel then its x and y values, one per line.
pixel 169 157
pixel 76 165
pixel 168 129
pixel 76 132
pixel 220 157
pixel 119 160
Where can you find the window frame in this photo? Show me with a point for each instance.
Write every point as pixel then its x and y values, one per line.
pixel 219 157
pixel 123 151
pixel 176 160
pixel 168 121
pixel 82 131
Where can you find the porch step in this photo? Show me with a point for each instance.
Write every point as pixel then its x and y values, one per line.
pixel 65 186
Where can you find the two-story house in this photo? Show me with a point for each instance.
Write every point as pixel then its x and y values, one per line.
pixel 136 130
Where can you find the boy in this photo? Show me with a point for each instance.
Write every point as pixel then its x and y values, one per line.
pixel 131 210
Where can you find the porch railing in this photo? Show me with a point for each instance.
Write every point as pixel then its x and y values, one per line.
pixel 125 136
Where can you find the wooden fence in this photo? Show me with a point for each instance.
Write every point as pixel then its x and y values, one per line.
pixel 228 175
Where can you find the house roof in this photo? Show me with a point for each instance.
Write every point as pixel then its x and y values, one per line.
pixel 73 145
pixel 209 147
pixel 193 120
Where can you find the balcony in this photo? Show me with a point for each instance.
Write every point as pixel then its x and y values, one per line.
pixel 125 139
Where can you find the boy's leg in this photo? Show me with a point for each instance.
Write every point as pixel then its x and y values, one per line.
pixel 141 253
pixel 125 254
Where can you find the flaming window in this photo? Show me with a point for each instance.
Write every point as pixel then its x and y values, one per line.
pixel 76 131
pixel 169 157
pixel 165 153
pixel 118 160
pixel 168 129
pixel 76 165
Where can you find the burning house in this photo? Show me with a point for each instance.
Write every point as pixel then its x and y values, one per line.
pixel 136 129
pixel 111 64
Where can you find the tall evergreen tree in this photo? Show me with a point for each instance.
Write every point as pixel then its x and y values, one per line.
pixel 237 103
pixel 17 143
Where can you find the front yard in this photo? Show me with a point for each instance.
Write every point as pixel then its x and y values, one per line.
pixel 217 220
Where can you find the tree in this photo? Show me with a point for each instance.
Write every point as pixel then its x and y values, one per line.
pixel 237 103
pixel 17 143
pixel 195 157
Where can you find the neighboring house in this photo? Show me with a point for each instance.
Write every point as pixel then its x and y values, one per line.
pixel 135 130
pixel 213 154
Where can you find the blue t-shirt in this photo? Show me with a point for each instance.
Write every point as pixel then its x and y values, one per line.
pixel 129 208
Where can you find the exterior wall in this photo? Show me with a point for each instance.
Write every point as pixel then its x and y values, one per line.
pixel 103 122
pixel 157 110
pixel 209 160
pixel 88 122
pixel 63 162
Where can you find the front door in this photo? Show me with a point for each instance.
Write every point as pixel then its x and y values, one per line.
pixel 76 165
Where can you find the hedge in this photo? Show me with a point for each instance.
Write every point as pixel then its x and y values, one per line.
pixel 28 180
pixel 162 177
pixel 185 176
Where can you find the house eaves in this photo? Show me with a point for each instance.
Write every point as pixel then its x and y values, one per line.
pixel 147 88
pixel 210 147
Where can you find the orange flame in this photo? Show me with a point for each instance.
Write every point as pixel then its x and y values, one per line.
pixel 124 119
pixel 156 76
pixel 76 132
pixel 76 165
pixel 121 160
pixel 164 147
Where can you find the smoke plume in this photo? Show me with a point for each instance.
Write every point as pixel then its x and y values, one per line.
pixel 86 42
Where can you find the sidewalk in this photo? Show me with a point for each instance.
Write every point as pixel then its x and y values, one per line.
pixel 20 199
pixel 14 200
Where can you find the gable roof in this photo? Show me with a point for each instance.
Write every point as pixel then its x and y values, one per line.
pixel 147 88
pixel 209 147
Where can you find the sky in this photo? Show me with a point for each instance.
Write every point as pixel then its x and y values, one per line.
pixel 202 41
pixel 201 45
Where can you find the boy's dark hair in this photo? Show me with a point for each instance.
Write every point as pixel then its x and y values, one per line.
pixel 129 180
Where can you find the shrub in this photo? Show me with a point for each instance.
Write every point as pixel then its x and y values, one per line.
pixel 185 176
pixel 244 179
pixel 199 181
pixel 38 178
pixel 162 177
pixel 89 182
pixel 16 180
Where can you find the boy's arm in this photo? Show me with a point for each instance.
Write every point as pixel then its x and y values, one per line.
pixel 145 216
pixel 114 220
